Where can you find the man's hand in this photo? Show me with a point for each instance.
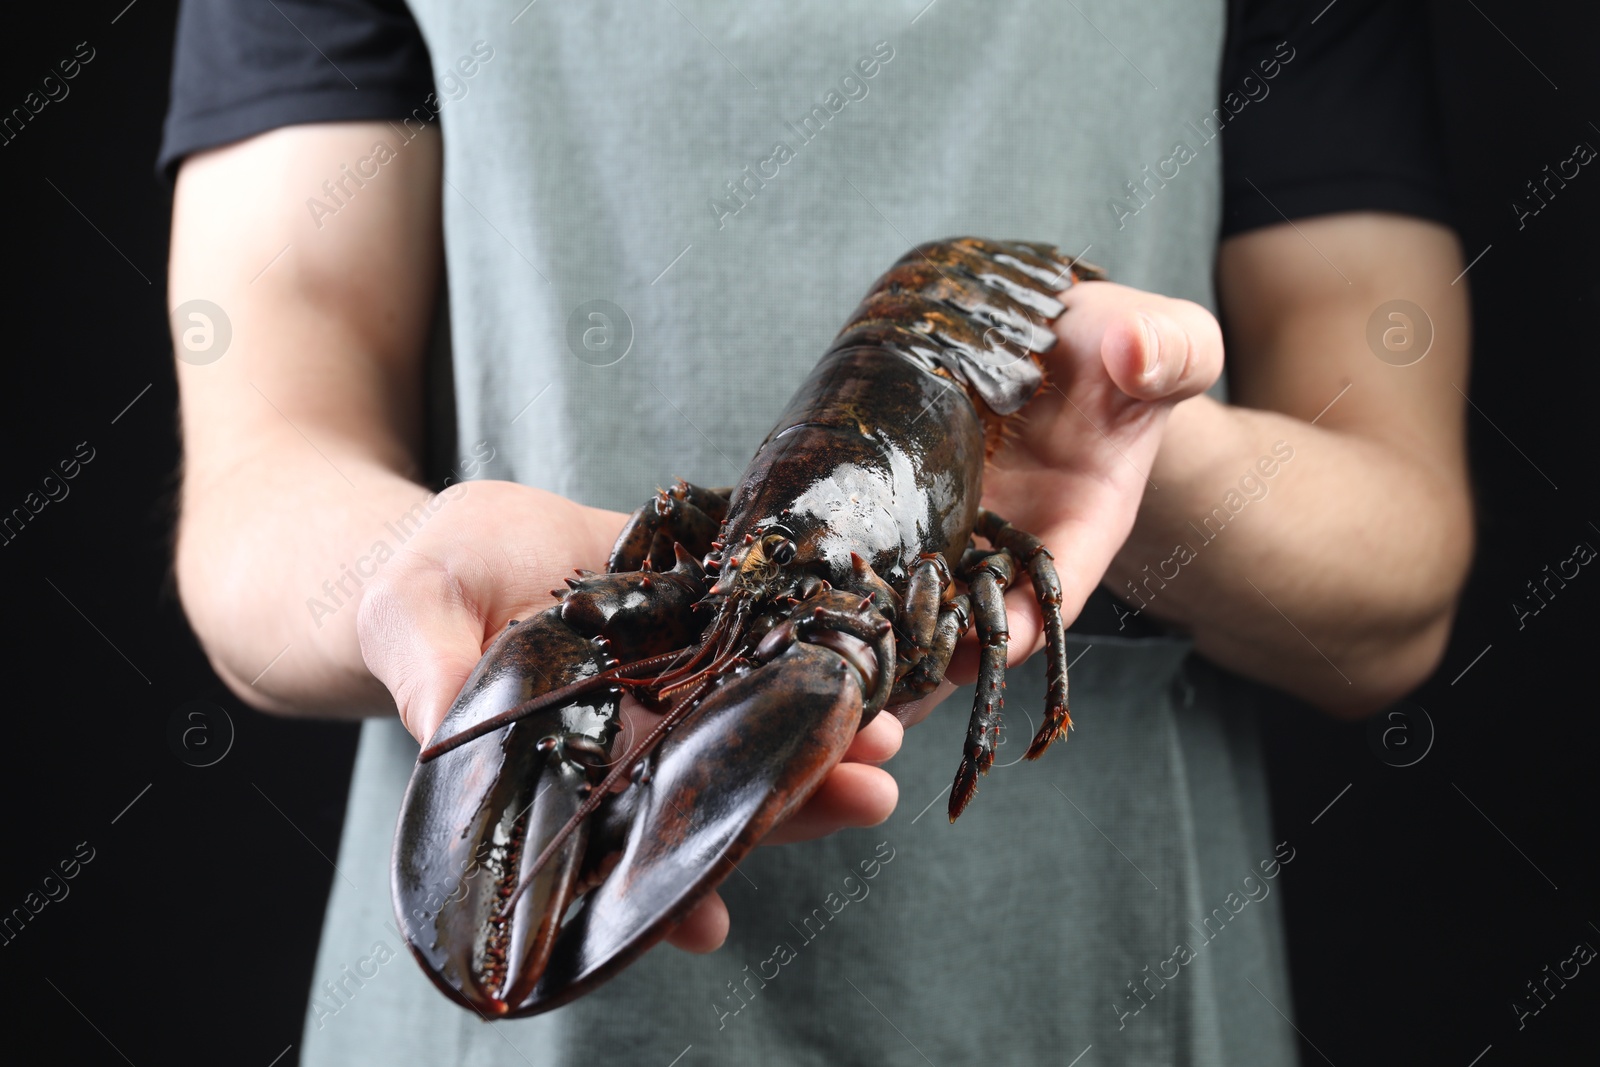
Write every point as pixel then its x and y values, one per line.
pixel 1339 589
pixel 1076 468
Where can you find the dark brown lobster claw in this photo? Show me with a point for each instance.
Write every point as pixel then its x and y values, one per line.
pixel 541 708
pixel 474 819
pixel 748 756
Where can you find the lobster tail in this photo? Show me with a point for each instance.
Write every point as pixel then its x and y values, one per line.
pixel 977 312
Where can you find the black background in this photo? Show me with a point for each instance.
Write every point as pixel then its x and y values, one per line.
pixel 1419 904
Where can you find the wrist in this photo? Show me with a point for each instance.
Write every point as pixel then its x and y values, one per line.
pixel 1201 437
pixel 1193 469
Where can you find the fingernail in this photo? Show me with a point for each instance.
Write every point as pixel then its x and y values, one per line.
pixel 1152 349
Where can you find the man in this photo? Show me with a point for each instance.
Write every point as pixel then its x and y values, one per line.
pixel 653 222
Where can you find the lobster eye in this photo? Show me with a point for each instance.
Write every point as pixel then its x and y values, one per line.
pixel 784 553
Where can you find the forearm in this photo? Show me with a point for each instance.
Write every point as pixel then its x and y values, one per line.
pixel 1318 561
pixel 271 562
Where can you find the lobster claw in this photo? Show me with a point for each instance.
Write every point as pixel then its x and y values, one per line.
pixel 747 757
pixel 475 818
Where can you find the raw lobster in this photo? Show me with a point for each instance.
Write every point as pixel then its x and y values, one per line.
pixel 770 622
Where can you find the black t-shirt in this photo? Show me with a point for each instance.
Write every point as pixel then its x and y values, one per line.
pixel 1321 111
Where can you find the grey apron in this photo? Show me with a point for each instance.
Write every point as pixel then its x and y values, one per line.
pixel 657 215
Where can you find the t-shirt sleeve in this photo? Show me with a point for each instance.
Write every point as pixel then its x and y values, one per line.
pixel 240 69
pixel 1337 110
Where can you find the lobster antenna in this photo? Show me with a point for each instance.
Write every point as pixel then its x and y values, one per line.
pixel 724 637
pixel 544 700
pixel 727 632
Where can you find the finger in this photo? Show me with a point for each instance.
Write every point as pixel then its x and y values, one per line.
pixel 853 795
pixel 1153 347
pixel 877 742
pixel 1166 350
pixel 914 712
pixel 704 929
pixel 420 646
pixel 1025 620
pixel 638 722
pixel 963 667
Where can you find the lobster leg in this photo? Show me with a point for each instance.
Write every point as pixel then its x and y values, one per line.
pixel 713 502
pixel 955 615
pixel 988 576
pixel 926 590
pixel 675 515
pixel 1047 588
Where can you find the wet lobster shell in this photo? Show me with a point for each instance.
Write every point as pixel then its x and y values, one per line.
pixel 530 863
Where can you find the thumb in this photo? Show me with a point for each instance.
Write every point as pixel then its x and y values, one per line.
pixel 421 639
pixel 1153 347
